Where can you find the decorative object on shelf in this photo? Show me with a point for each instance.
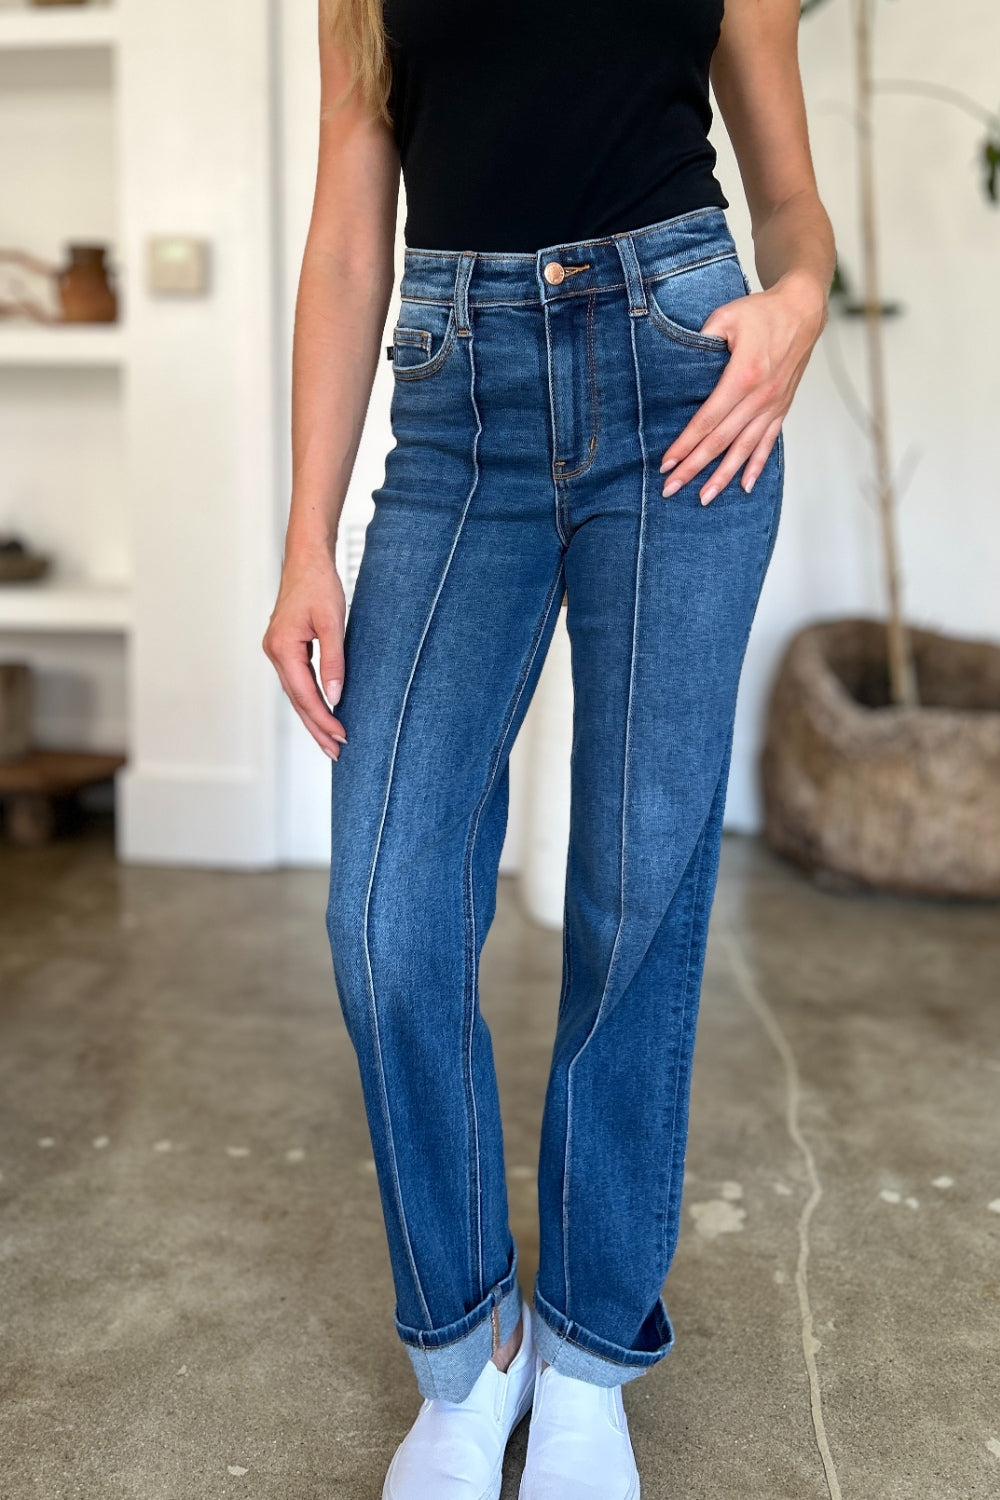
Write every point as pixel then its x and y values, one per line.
pixel 178 265
pixel 17 564
pixel 17 709
pixel 39 792
pixel 861 793
pixel 83 286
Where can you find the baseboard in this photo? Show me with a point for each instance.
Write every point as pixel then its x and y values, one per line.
pixel 743 806
pixel 191 815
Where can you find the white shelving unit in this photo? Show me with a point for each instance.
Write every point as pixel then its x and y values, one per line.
pixel 65 605
pixel 56 347
pixel 25 26
pixel 141 457
pixel 61 426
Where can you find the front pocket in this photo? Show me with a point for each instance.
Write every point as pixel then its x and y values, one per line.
pixel 422 338
pixel 681 303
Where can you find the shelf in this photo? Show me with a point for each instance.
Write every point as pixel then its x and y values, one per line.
pixel 65 606
pixel 78 347
pixel 27 26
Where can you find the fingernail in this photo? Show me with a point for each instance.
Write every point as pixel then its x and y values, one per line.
pixel 667 464
pixel 708 496
pixel 341 739
pixel 671 488
pixel 333 689
pixel 750 484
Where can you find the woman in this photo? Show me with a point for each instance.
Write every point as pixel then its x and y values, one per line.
pixel 587 406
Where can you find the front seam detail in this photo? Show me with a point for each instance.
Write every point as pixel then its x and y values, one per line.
pixel 624 829
pixel 472 1114
pixel 373 1001
pixel 594 400
pixel 470 909
pixel 555 436
pixel 684 1007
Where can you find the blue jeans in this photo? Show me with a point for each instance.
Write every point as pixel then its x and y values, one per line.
pixel 534 396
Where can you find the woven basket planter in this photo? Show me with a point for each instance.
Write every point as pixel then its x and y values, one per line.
pixel 860 793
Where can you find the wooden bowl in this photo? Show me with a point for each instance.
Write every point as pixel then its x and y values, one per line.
pixel 22 567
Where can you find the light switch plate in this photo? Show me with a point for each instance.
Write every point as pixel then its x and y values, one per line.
pixel 178 266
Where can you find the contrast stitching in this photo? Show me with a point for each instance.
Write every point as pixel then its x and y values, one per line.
pixel 558 294
pixel 694 213
pixel 691 265
pixel 412 251
pixel 383 1089
pixel 431 301
pixel 417 336
pixel 469 885
pixel 475 1200
pixel 555 435
pixel 566 960
pixel 684 1010
pixel 495 1298
pixel 430 366
pixel 585 291
pixel 463 275
pixel 595 434
pixel 641 1359
pixel 624 822
pixel 765 556
pixel 635 285
pixel 709 343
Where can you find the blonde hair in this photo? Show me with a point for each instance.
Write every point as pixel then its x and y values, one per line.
pixel 358 27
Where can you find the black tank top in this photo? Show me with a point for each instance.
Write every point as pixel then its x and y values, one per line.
pixel 528 123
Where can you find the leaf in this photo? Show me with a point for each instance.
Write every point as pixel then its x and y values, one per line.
pixel 990 157
pixel 841 284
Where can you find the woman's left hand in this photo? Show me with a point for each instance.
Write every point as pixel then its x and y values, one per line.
pixel 771 335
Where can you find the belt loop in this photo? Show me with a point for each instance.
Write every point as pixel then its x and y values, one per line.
pixel 633 275
pixel 466 260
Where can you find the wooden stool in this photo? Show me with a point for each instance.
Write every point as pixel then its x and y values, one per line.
pixel 34 788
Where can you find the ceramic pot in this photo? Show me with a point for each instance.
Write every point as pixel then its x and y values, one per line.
pixel 861 793
pixel 82 284
pixel 85 291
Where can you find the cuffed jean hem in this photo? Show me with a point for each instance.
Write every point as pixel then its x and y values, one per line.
pixel 448 1361
pixel 571 1350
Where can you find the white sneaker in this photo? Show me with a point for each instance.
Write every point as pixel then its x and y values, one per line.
pixel 578 1443
pixel 454 1450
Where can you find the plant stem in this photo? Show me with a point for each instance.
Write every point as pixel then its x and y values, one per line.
pixel 902 677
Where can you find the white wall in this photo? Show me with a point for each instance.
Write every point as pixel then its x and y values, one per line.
pixel 941 260
pixel 197 137
pixel 942 250
pixel 304 771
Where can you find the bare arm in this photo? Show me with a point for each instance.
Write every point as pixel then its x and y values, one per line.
pixel 755 74
pixel 344 291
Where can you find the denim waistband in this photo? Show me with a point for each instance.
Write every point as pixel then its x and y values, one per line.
pixel 626 260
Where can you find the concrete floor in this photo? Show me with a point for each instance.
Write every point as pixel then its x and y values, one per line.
pixel 196 1299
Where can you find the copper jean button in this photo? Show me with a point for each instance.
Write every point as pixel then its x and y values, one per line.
pixel 554 273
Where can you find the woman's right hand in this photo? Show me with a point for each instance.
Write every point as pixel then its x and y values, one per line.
pixel 310 607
